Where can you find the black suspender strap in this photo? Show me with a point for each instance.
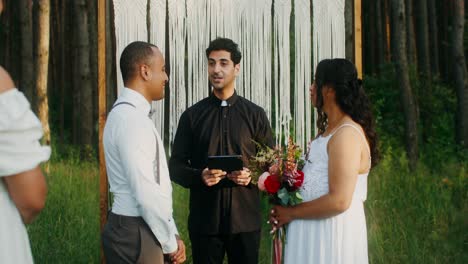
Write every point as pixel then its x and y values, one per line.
pixel 121 103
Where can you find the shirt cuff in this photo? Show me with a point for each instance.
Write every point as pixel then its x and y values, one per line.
pixel 170 246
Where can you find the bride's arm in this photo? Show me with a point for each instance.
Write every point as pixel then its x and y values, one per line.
pixel 344 152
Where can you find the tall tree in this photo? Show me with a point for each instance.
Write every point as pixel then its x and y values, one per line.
pixel 380 49
pixel 92 13
pixel 27 63
pixel 372 36
pixel 410 37
pixel 386 15
pixel 444 47
pixel 84 73
pixel 401 66
pixel 111 78
pixel 433 37
pixel 422 38
pixel 60 8
pixel 460 72
pixel 43 67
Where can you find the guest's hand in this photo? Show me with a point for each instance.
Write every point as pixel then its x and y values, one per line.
pixel 241 177
pixel 179 256
pixel 212 177
pixel 280 216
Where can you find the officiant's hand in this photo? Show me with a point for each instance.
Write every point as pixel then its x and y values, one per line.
pixel 212 177
pixel 241 177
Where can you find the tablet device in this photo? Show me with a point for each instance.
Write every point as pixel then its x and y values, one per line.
pixel 227 163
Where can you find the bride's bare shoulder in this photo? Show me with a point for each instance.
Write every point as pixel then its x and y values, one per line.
pixel 6 83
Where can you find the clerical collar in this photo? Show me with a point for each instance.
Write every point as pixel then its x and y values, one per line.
pixel 229 102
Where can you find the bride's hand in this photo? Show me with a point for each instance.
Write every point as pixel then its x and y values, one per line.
pixel 280 216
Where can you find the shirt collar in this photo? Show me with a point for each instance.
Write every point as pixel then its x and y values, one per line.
pixel 230 101
pixel 135 98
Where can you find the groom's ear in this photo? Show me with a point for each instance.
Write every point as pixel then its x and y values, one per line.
pixel 237 69
pixel 145 72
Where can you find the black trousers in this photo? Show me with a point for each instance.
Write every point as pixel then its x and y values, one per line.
pixel 241 248
pixel 128 239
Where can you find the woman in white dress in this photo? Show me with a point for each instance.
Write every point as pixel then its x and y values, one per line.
pixel 330 225
pixel 22 186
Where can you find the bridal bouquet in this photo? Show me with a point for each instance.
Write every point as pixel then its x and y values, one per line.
pixel 277 171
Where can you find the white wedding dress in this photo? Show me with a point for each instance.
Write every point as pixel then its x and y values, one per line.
pixel 335 240
pixel 20 151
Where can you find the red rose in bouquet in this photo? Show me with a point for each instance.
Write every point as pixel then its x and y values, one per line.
pixel 299 180
pixel 272 184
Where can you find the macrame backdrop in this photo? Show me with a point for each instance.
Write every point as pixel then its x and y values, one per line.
pixel 157 36
pixel 262 28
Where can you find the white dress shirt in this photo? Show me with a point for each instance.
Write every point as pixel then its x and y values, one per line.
pixel 137 168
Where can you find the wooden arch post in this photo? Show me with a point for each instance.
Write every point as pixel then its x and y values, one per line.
pixel 358 36
pixel 103 186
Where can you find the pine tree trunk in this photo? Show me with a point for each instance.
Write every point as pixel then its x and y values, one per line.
pixel 410 36
pixel 84 74
pixel 460 72
pixel 43 67
pixel 387 30
pixel 422 38
pixel 111 90
pixel 444 47
pixel 380 48
pixel 399 57
pixel 61 26
pixel 92 11
pixel 433 36
pixel 26 82
pixel 372 37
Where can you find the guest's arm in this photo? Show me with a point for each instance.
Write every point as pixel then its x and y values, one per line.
pixel 180 168
pixel 6 83
pixel 28 190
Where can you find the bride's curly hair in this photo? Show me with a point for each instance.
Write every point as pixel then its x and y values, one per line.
pixel 341 75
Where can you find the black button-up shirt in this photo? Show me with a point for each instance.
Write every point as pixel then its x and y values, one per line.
pixel 207 129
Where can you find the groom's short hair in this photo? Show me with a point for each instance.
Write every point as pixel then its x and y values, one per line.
pixel 227 45
pixel 135 54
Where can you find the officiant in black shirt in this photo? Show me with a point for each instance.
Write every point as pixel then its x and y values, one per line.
pixel 225 214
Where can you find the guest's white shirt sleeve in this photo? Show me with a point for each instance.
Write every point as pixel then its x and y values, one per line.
pixel 20 132
pixel 137 147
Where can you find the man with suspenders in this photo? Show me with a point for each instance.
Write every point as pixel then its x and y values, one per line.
pixel 140 226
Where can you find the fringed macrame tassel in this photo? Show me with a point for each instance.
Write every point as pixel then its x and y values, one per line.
pixel 157 30
pixel 177 38
pixel 130 25
pixel 303 72
pixel 282 14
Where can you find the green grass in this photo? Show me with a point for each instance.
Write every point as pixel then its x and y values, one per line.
pixel 67 230
pixel 418 217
